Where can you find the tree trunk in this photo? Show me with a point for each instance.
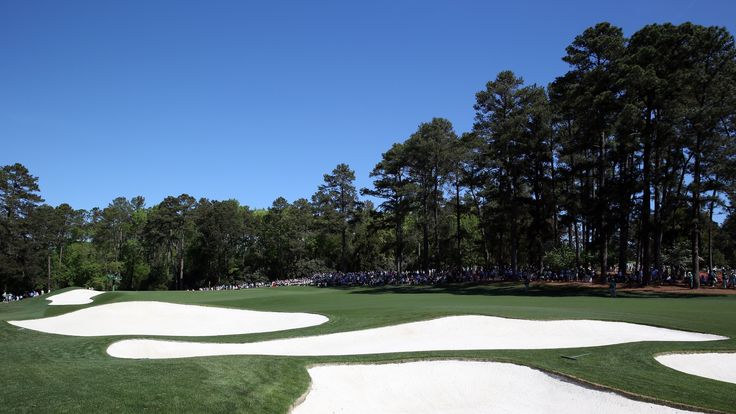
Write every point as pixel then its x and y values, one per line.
pixel 553 191
pixel 659 196
pixel 623 245
pixel 514 246
pixel 399 245
pixel 638 252
pixel 514 234
pixel 48 268
pixel 710 243
pixel 499 251
pixel 425 237
pixel 435 207
pixel 343 224
pixel 577 247
pixel 695 237
pixel 602 205
pixel 483 234
pixel 570 240
pixel 181 269
pixel 343 245
pixel 646 203
pixel 710 232
pixel 457 224
pixel 538 217
pixel 623 242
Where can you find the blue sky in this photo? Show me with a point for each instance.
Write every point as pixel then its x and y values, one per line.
pixel 255 100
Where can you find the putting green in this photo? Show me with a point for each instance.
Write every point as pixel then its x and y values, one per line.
pixel 52 373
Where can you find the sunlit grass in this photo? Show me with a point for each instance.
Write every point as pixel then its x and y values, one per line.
pixel 54 373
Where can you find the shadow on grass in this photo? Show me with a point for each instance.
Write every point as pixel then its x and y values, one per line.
pixel 513 289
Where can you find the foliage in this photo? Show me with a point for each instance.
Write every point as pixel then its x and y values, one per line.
pixel 629 154
pixel 559 258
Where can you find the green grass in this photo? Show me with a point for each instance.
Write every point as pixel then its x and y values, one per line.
pixel 58 374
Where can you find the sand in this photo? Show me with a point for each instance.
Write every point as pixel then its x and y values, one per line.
pixel 470 332
pixel 717 366
pixel 167 319
pixel 457 387
pixel 74 297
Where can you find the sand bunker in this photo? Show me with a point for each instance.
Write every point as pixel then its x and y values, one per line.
pixel 448 333
pixel 168 319
pixel 456 387
pixel 74 297
pixel 717 366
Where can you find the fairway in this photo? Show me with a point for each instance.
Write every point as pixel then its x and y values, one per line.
pixel 56 373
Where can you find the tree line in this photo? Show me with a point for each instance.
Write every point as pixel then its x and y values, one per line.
pixel 619 164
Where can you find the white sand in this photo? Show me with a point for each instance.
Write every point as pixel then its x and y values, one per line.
pixel 445 387
pixel 74 297
pixel 449 333
pixel 717 366
pixel 168 319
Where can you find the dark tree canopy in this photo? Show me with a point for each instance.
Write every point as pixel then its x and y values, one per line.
pixel 621 165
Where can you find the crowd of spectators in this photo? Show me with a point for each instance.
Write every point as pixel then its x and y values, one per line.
pixel 724 279
pixel 433 277
pixel 10 297
pixel 252 285
pixel 233 286
pixel 304 281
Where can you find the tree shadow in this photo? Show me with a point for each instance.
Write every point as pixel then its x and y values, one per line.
pixel 517 289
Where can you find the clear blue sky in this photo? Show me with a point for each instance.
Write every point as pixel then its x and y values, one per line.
pixel 255 100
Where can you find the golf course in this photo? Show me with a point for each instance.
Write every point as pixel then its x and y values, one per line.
pixel 368 207
pixel 45 372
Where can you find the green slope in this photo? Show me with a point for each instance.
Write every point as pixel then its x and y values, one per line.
pixel 54 373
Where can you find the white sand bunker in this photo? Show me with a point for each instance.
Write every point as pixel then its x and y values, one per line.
pixel 74 297
pixel 714 365
pixel 168 319
pixel 443 387
pixel 448 333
